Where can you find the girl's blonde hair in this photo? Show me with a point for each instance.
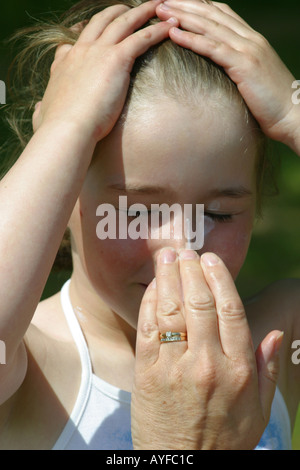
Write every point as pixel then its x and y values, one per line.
pixel 179 73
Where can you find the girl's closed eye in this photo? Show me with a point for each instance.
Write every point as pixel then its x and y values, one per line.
pixel 219 217
pixel 211 215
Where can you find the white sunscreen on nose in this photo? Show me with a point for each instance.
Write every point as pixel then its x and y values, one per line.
pixel 194 240
pixel 209 225
pixel 188 233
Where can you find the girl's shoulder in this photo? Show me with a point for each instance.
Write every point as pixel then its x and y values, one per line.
pixel 48 393
pixel 277 307
pixel 51 346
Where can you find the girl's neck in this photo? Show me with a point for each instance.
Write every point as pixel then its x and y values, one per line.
pixel 111 340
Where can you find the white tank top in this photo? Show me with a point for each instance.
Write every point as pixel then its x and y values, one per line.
pixel 101 415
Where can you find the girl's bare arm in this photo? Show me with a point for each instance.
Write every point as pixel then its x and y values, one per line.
pixel 38 194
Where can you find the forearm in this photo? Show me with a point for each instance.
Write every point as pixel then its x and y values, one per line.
pixel 37 197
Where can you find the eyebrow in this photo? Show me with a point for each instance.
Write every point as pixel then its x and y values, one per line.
pixel 136 189
pixel 230 192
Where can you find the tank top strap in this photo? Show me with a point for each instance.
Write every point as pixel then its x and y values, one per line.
pixel 86 368
pixel 75 330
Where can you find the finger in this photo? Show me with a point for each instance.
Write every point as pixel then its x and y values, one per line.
pixel 209 27
pixel 229 11
pixel 147 342
pixel 267 360
pixel 61 51
pixel 99 23
pixel 60 54
pixel 234 332
pixel 78 27
pixel 206 6
pixel 138 43
pixel 169 298
pixel 130 21
pixel 199 304
pixel 201 11
pixel 218 51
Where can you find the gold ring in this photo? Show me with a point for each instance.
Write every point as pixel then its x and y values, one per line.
pixel 170 337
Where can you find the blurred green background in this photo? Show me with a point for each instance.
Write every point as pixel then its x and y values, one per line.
pixel 274 252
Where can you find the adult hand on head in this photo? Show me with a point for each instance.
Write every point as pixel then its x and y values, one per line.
pixel 211 391
pixel 89 80
pixel 214 30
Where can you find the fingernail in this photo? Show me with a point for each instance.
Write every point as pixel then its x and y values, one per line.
pixel 164 7
pixel 172 20
pixel 153 283
pixel 168 255
pixel 209 259
pixel 188 254
pixel 177 31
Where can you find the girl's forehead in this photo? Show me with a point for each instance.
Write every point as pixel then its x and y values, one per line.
pixel 173 144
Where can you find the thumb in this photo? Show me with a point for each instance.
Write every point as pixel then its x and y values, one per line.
pixel 267 360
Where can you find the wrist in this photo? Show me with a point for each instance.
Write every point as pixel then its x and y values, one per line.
pixel 69 131
pixel 60 147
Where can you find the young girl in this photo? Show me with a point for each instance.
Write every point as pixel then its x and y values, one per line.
pixel 162 103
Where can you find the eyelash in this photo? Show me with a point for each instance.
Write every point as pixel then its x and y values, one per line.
pixel 219 217
pixel 222 218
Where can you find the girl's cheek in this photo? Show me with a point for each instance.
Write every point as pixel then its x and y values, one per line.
pixel 120 255
pixel 230 241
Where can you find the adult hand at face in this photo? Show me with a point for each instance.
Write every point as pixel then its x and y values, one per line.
pixel 211 391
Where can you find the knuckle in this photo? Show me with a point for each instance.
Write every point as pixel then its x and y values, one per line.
pixel 149 300
pixel 103 14
pixel 231 310
pixel 79 27
pixel 168 308
pixel 217 47
pixel 96 17
pixel 244 375
pixel 148 329
pixel 146 34
pixel 214 23
pixel 61 52
pixel 272 373
pixel 200 303
pixel 261 40
pixel 163 273
pixel 253 55
pixel 227 8
pixel 123 19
